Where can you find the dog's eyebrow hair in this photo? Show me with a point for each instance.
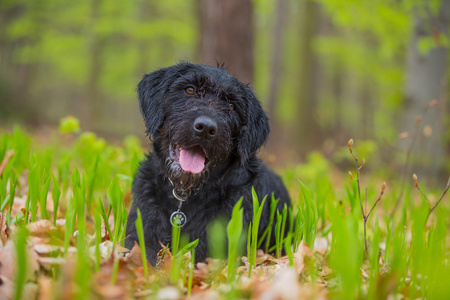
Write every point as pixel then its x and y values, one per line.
pixel 181 74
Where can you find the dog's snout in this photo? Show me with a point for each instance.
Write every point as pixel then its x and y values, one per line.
pixel 205 127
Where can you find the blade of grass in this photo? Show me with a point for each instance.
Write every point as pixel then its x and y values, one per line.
pixel 191 273
pixel 140 232
pixel 257 211
pixel 22 258
pixel 102 211
pixel 56 193
pixel 43 198
pixel 288 249
pixel 12 194
pixel 98 239
pixel 268 232
pixel 234 230
pixel 70 224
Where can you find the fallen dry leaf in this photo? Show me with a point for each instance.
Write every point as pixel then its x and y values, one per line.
pixel 6 288
pixel 105 249
pixel 47 250
pixel 47 288
pixel 8 261
pixel 120 252
pixel 102 280
pixel 168 293
pixel 321 245
pixel 135 256
pixel 302 252
pixel 111 292
pixel 285 286
pixel 201 294
pixel 165 261
pixel 9 154
pixel 49 262
pixel 40 228
pixel 4 230
pixel 18 205
pixel 325 271
pixel 134 259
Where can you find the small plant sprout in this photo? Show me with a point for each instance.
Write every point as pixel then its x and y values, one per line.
pixel 268 231
pixel 257 211
pixel 12 193
pixel 308 209
pixel 140 232
pixel 191 273
pixel 383 188
pixel 431 207
pixel 21 258
pixel 43 198
pixel 56 193
pixel 234 230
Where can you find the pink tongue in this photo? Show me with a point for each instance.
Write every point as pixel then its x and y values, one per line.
pixel 192 160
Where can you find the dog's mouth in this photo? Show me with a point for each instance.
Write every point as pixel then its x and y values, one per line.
pixel 192 159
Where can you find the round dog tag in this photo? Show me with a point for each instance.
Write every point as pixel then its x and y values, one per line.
pixel 178 219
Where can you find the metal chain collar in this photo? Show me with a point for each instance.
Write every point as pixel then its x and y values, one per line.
pixel 178 218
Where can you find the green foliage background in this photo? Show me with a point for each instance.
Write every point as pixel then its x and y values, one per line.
pixel 85 58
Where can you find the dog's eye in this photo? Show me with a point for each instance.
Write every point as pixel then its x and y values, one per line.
pixel 230 106
pixel 190 90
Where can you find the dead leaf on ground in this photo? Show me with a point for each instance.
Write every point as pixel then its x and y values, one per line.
pixel 321 245
pixel 40 228
pixel 105 249
pixel 285 286
pixel 47 288
pixel 168 293
pixel 18 205
pixel 303 252
pixel 165 261
pixel 49 262
pixel 9 154
pixel 8 261
pixel 4 230
pixel 325 271
pixel 6 288
pixel 134 258
pixel 102 280
pixel 120 252
pixel 47 250
pixel 201 294
pixel 111 292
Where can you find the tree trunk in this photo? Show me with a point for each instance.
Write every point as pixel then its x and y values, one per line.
pixel 307 132
pixel 92 104
pixel 277 43
pixel 226 30
pixel 425 81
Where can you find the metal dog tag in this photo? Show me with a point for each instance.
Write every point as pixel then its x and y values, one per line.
pixel 178 219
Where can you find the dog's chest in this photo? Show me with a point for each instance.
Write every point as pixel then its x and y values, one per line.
pixel 199 209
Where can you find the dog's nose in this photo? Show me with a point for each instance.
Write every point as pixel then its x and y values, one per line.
pixel 205 127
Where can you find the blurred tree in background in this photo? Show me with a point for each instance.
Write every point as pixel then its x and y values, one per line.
pixel 325 70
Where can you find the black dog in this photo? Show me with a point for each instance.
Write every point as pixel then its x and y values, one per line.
pixel 206 128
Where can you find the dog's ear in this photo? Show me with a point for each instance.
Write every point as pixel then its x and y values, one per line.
pixel 151 92
pixel 255 130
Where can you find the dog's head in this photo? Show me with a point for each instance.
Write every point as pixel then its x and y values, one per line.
pixel 200 118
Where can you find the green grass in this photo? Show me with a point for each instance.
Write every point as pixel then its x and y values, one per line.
pixel 140 232
pixel 88 179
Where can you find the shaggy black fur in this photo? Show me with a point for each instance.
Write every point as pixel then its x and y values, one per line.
pixel 199 107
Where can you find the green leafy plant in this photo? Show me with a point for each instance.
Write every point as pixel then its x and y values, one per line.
pixel 234 230
pixel 140 232
pixel 254 228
